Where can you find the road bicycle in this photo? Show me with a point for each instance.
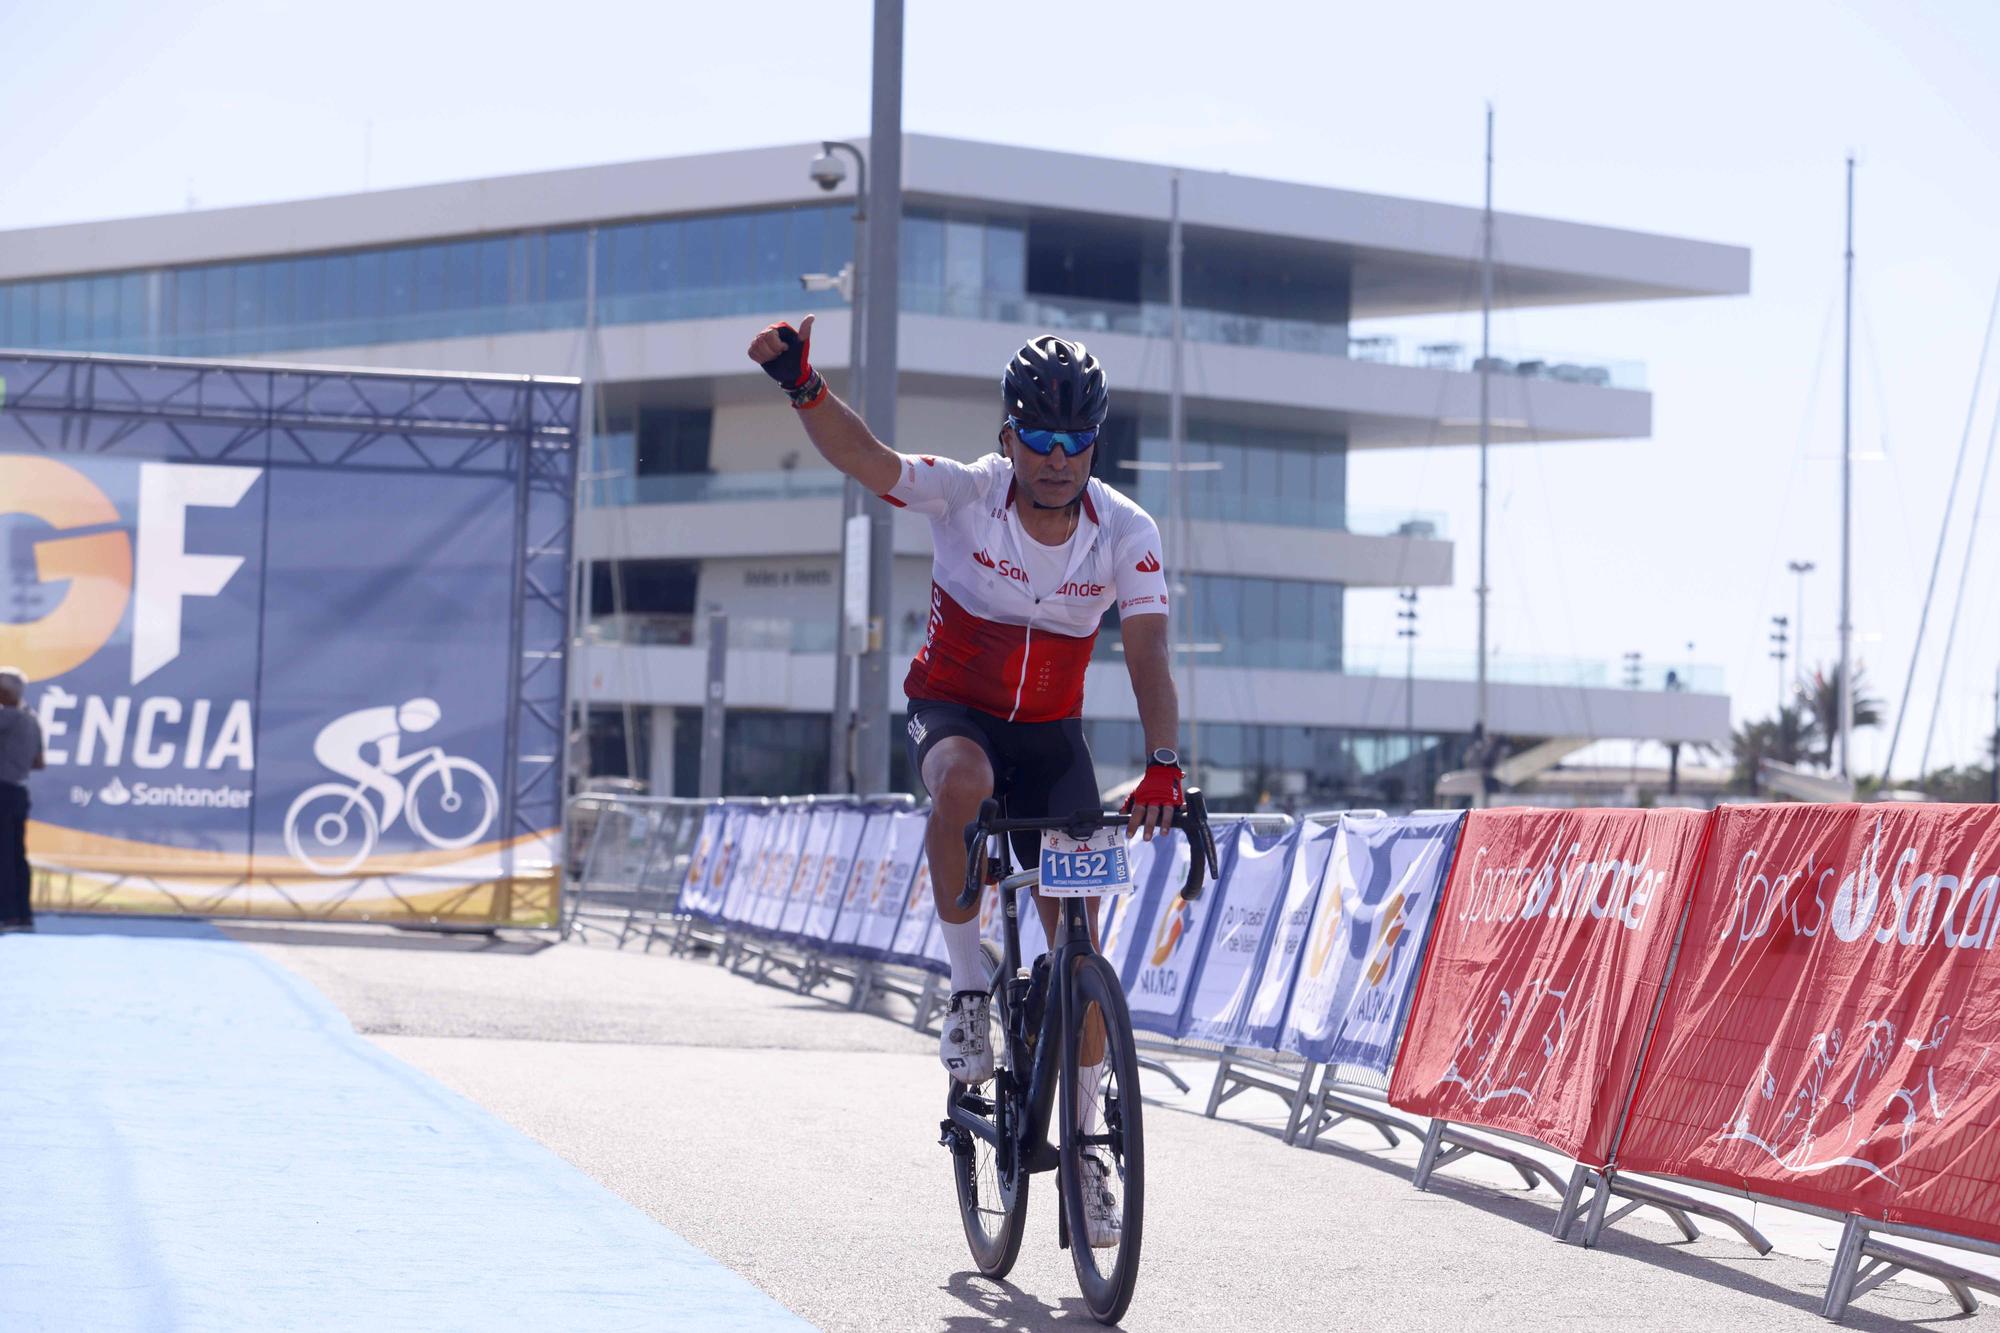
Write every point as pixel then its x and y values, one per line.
pixel 1042 1038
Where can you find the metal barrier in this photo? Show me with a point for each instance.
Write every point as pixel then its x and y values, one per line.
pixel 628 883
pixel 635 854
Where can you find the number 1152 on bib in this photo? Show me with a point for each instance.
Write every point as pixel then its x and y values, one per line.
pixel 1097 865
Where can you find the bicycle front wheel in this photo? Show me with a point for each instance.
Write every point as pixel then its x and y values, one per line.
pixel 992 1187
pixel 1103 1161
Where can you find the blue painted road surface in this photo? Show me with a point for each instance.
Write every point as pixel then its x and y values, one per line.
pixel 191 1137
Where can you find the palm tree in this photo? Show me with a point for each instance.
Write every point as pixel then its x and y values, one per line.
pixel 1786 738
pixel 1822 701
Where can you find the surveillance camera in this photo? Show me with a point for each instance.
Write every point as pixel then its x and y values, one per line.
pixel 827 171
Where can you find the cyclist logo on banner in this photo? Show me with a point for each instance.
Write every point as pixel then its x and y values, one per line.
pixel 448 800
pixel 1819 1131
pixel 1473 1066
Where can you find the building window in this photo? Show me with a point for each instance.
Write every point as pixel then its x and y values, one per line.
pixel 1055 272
pixel 673 441
pixel 621 742
pixel 1265 475
pixel 1292 769
pixel 643 601
pixel 764 754
pixel 1282 624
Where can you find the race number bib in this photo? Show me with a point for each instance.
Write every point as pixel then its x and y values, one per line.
pixel 1095 865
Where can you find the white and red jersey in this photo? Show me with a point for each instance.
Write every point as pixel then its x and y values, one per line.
pixel 996 642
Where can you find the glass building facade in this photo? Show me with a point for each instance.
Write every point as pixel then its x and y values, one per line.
pixel 1242 766
pixel 1071 274
pixel 1273 766
pixel 1048 272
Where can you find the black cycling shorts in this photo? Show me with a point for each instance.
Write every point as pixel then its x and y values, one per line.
pixel 1039 768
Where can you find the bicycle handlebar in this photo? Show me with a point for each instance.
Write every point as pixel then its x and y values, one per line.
pixel 1192 820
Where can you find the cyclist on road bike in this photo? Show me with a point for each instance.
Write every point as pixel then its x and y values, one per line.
pixel 1030 551
pixel 342 742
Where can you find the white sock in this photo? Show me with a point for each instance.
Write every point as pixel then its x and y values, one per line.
pixel 968 960
pixel 1089 1079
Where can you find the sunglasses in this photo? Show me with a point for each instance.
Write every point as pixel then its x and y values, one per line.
pixel 1073 442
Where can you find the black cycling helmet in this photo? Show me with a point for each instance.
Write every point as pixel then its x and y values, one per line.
pixel 1054 384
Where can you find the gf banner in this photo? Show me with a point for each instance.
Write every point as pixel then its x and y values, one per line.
pixel 296 638
pixel 1832 1033
pixel 1549 951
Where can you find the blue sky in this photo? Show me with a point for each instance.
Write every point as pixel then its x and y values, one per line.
pixel 1726 122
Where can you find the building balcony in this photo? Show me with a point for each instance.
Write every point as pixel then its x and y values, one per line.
pixel 797 513
pixel 776 677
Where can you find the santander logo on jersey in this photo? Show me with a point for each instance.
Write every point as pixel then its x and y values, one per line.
pixel 1007 569
pixel 1149 565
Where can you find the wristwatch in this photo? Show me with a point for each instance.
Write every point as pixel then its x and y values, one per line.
pixel 1164 756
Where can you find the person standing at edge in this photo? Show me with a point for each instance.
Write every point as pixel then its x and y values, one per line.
pixel 20 754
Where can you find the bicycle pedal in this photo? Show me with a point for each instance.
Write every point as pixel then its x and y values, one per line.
pixel 951 1136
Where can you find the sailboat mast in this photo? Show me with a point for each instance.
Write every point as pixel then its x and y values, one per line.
pixel 1844 724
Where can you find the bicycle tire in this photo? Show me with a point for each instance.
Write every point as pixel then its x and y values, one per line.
pixel 1107 1286
pixel 351 799
pixel 992 1203
pixel 441 768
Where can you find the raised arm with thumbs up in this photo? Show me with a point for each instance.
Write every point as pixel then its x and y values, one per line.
pixel 841 437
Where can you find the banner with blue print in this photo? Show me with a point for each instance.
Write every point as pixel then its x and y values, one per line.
pixel 296 644
pixel 1360 959
pixel 1168 939
pixel 850 831
pixel 1252 878
pixel 1291 921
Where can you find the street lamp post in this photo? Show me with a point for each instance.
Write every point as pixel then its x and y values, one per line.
pixel 1635 676
pixel 885 208
pixel 1407 632
pixel 1778 640
pixel 827 172
pixel 1993 777
pixel 1799 569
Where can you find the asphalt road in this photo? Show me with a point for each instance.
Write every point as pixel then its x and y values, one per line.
pixel 796 1142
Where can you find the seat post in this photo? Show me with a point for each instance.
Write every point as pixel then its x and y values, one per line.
pixel 1076 922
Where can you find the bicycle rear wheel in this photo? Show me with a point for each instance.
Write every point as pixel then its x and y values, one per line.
pixel 1103 1161
pixel 992 1189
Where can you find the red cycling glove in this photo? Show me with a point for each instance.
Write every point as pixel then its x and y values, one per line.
pixel 1160 786
pixel 792 368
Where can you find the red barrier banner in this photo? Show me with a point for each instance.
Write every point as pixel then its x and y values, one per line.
pixel 1832 1033
pixel 1548 953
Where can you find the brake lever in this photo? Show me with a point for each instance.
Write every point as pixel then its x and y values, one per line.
pixel 975 853
pixel 1193 821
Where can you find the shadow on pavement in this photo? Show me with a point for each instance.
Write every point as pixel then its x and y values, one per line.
pixel 387 937
pixel 1737 1269
pixel 1002 1305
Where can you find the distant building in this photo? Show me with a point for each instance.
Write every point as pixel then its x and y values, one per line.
pixel 703 491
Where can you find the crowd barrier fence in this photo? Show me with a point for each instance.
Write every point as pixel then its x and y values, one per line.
pixel 1513 983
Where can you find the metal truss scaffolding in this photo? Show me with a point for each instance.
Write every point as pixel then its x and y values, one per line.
pixel 518 429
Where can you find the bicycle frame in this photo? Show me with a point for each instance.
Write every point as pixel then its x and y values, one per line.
pixel 1038 1053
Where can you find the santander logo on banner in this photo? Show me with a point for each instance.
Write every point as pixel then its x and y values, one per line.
pixel 1563 885
pixel 1912 904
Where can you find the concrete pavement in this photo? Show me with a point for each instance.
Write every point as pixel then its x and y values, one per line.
pixel 796 1142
